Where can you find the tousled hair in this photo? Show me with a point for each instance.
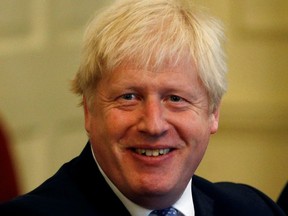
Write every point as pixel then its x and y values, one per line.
pixel 149 33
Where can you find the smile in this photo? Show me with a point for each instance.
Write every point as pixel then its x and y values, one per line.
pixel 152 152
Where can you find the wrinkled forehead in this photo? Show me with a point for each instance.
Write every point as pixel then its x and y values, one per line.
pixel 155 63
pixel 180 74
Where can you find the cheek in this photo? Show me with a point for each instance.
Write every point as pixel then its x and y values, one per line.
pixel 196 129
pixel 196 135
pixel 103 137
pixel 116 122
pixel 114 127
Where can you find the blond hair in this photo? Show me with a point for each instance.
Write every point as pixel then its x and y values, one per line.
pixel 150 33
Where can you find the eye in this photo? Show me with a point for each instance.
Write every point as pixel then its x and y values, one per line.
pixel 129 96
pixel 177 103
pixel 127 101
pixel 175 98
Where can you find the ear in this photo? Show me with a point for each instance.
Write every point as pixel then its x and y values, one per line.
pixel 214 120
pixel 87 115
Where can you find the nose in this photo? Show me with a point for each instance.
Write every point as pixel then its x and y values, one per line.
pixel 153 121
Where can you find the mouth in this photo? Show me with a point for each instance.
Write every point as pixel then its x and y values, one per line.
pixel 152 152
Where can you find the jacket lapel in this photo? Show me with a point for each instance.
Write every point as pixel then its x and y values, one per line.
pixel 203 204
pixel 99 196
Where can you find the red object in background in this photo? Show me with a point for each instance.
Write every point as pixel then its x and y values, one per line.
pixel 8 183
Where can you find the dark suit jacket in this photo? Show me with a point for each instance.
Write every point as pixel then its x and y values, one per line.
pixel 78 188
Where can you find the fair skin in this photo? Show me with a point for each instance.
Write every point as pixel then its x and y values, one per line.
pixel 149 130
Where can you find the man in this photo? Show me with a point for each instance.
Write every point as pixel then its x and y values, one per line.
pixel 151 81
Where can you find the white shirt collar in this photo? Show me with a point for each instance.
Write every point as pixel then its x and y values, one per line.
pixel 184 204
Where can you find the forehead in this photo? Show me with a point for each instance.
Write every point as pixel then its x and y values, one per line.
pixel 170 74
pixel 180 65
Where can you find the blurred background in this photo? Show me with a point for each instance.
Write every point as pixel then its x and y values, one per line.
pixel 43 126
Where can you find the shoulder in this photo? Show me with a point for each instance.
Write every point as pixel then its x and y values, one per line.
pixel 54 195
pixel 235 199
pixel 44 199
pixel 77 188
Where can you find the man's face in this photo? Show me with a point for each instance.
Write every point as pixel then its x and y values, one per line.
pixel 149 130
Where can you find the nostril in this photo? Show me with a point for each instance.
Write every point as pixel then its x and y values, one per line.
pixel 154 128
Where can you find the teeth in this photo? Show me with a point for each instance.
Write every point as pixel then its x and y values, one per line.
pixel 152 152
